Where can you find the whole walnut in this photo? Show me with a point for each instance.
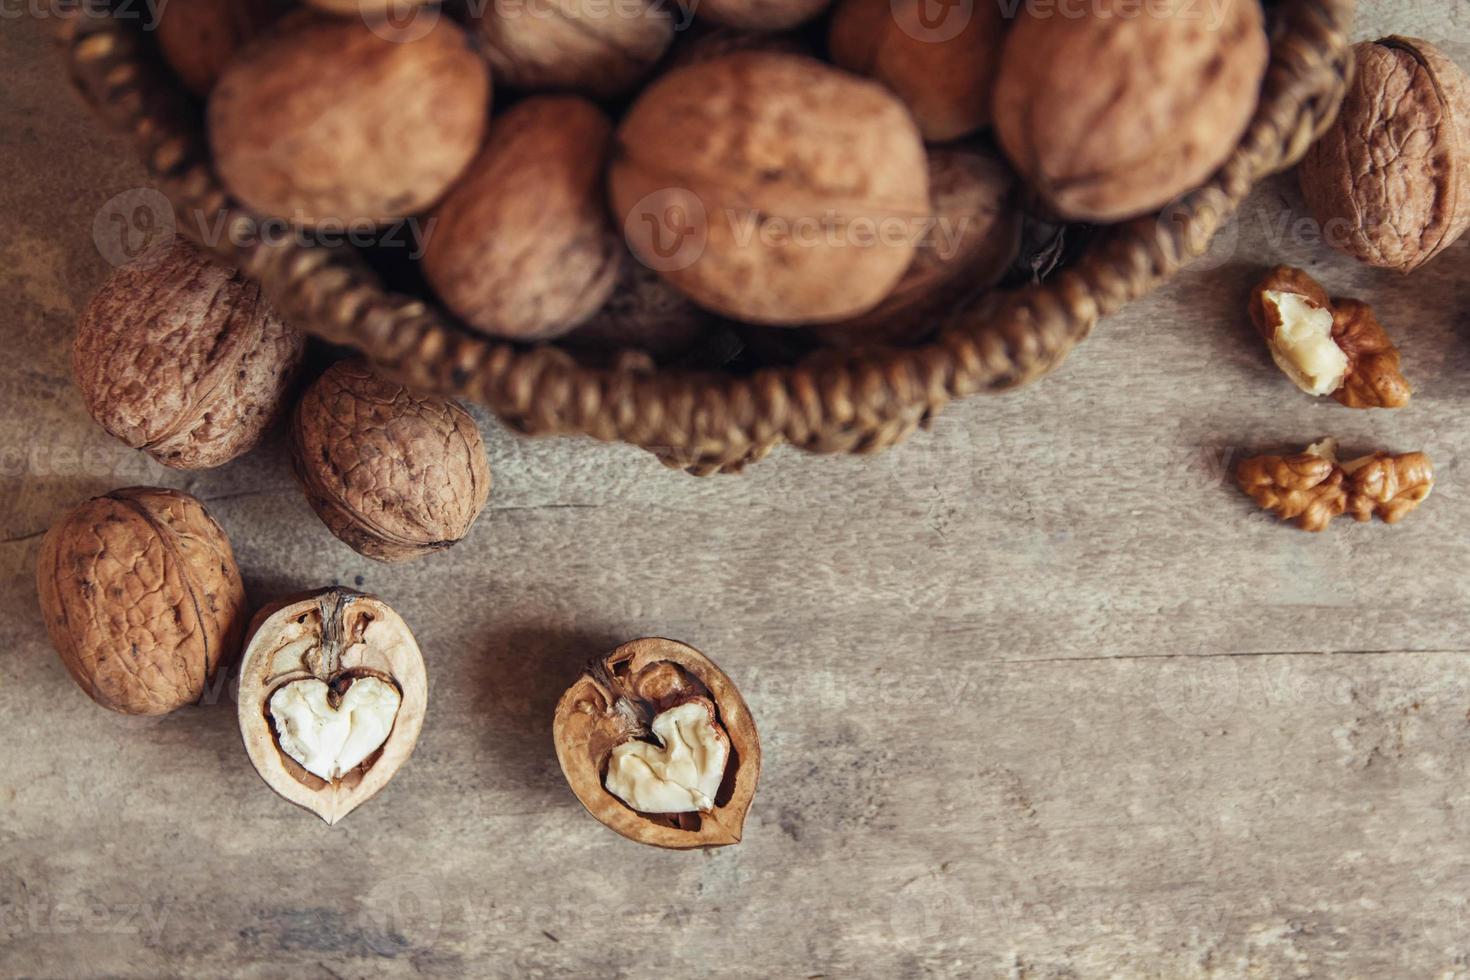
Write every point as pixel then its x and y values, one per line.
pixel 1390 181
pixel 944 73
pixel 522 246
pixel 183 358
pixel 1117 112
pixel 328 121
pixel 142 599
pixel 199 37
pixel 759 15
pixel 970 245
pixel 770 187
pixel 393 474
pixel 593 47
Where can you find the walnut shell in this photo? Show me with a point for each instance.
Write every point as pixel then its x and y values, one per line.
pixel 759 15
pixel 141 598
pixel 945 77
pixel 1115 113
pixel 393 474
pixel 198 38
pixel 327 121
pixel 367 9
pixel 974 240
pixel 586 46
pixel 337 637
pixel 612 702
pixel 770 187
pixel 706 41
pixel 181 357
pixel 1390 181
pixel 522 247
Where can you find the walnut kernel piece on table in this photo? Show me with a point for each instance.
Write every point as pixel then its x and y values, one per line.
pixel 1326 346
pixel 1311 488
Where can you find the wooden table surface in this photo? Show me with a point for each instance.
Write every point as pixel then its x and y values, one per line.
pixel 1041 693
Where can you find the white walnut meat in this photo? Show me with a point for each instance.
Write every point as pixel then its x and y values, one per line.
pixel 658 745
pixel 770 187
pixel 183 358
pixel 1327 346
pixel 330 122
pixel 1311 488
pixel 142 599
pixel 332 698
pixel 393 474
pixel 595 48
pixel 522 246
pixel 1390 180
pixel 1115 112
pixel 946 78
pixel 971 243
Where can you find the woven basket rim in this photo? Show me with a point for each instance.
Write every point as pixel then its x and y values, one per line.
pixel 701 420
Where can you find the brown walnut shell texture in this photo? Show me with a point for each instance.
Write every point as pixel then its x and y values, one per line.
pixel 974 241
pixel 331 121
pixel 782 173
pixel 198 38
pixel 945 77
pixel 522 246
pixel 589 723
pixel 142 599
pixel 1390 181
pixel 588 46
pixel 330 635
pixel 183 358
pixel 393 474
pixel 1113 114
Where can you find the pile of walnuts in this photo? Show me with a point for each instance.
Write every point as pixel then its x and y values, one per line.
pixel 771 163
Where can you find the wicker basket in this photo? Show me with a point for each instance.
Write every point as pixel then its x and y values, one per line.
pixel 707 421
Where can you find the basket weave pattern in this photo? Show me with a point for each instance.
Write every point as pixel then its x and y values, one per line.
pixel 707 421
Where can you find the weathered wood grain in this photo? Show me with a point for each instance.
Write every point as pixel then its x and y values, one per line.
pixel 1041 694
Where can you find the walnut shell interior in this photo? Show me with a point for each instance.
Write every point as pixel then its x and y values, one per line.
pixel 614 701
pixel 336 636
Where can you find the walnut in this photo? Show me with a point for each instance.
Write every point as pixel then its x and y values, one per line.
pixel 332 697
pixel 759 15
pixel 522 247
pixel 1390 181
pixel 393 474
pixel 657 744
pixel 328 121
pixel 945 77
pixel 181 357
pixel 771 188
pixel 587 46
pixel 973 240
pixel 1327 346
pixel 199 37
pixel 142 599
pixel 1387 486
pixel 1114 113
pixel 1312 487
